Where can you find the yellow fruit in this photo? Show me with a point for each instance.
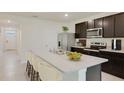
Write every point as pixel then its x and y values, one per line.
pixel 73 55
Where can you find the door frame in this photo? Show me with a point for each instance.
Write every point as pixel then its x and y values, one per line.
pixel 4 33
pixel 18 38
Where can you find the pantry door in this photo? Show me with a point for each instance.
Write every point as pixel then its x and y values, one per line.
pixel 10 40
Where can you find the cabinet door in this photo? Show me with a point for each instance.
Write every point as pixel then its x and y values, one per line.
pixel 51 73
pixel 77 31
pixel 90 24
pixel 77 28
pixel 119 25
pixel 108 26
pixel 47 72
pixel 98 23
pixel 83 27
pixel 80 30
pixel 73 49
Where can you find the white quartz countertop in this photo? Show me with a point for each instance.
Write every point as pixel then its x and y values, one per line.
pixel 62 62
pixel 115 51
pixel 78 46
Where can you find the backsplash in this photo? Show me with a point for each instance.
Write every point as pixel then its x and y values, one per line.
pixel 83 42
pixel 104 40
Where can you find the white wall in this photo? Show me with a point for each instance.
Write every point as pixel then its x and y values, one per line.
pixel 37 35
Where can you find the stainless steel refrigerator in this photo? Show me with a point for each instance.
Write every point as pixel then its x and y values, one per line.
pixel 66 40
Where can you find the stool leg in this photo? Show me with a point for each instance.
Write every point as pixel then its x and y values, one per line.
pixel 32 74
pixel 37 75
pixel 29 70
pixel 27 66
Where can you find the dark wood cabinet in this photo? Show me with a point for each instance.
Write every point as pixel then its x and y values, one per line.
pixel 119 25
pixel 113 26
pixel 115 65
pixel 80 30
pixel 74 49
pixel 83 51
pixel 90 24
pixel 98 23
pixel 77 30
pixel 83 29
pixel 108 27
pixel 92 53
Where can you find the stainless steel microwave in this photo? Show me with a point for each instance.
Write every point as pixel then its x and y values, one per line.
pixel 95 32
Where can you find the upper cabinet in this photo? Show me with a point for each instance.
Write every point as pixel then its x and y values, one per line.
pixel 77 31
pixel 90 24
pixel 98 23
pixel 108 27
pixel 113 26
pixel 80 29
pixel 119 25
pixel 83 29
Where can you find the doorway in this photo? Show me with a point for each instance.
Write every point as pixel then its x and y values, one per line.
pixel 10 39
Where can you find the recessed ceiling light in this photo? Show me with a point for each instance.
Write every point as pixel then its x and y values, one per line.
pixel 8 21
pixel 66 14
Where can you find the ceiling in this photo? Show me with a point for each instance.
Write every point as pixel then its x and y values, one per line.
pixel 55 16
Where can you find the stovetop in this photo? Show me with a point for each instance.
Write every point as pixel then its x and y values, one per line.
pixel 97 45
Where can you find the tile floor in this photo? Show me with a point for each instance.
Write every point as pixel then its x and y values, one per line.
pixel 13 69
pixel 108 77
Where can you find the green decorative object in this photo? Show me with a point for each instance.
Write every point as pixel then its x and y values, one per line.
pixel 65 28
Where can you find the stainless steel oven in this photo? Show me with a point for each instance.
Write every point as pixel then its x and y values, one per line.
pixel 95 32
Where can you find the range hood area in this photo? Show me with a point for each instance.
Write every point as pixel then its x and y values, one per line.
pixel 94 33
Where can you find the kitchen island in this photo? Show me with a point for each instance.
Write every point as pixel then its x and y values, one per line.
pixel 83 70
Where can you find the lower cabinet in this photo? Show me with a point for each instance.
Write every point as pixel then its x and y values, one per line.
pixel 115 65
pixel 47 72
pixel 74 49
pixel 81 50
pixel 92 53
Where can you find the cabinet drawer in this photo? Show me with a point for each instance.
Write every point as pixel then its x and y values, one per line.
pixel 73 49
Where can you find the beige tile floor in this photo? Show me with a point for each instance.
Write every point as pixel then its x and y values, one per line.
pixel 108 77
pixel 13 69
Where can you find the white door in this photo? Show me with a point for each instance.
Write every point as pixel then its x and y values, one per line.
pixel 10 40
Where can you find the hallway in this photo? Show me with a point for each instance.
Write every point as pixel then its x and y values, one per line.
pixel 11 68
